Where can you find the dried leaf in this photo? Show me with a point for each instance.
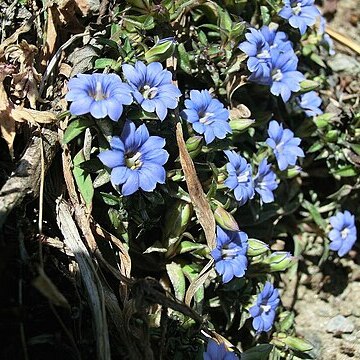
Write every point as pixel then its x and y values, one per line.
pixel 7 124
pixel 31 116
pixel 26 81
pixel 198 198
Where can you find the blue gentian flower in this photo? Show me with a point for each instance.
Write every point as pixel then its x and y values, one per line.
pixel 230 253
pixel 239 177
pixel 263 312
pixel 343 235
pixel 285 77
pixel 100 95
pixel 284 144
pixel 136 159
pixel 300 13
pixel 276 39
pixel 215 351
pixel 258 50
pixel 152 87
pixel 310 103
pixel 265 182
pixel 207 115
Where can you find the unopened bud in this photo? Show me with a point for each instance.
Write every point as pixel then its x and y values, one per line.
pixel 177 219
pixel 240 124
pixel 225 219
pixel 194 145
pixel 278 261
pixel 308 85
pixel 161 51
pixel 256 247
pixel 294 343
pixel 293 171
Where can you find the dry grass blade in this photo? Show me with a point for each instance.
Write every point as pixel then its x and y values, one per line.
pixel 89 276
pixel 343 39
pixel 198 198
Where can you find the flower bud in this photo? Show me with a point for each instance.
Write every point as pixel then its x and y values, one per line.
pixel 256 247
pixel 225 219
pixel 293 171
pixel 278 261
pixel 177 219
pixel 308 85
pixel 240 124
pixel 194 145
pixel 162 50
pixel 293 342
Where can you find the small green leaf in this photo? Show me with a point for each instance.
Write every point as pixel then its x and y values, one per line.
pixel 177 279
pixel 308 85
pixel 76 127
pixel 83 179
pixel 314 213
pixel 295 343
pixel 184 60
pixel 260 352
pixel 265 15
pixel 346 171
pixel 104 62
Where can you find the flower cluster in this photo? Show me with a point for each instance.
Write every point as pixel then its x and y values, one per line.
pixel 343 235
pixel 300 13
pixel 285 146
pixel 207 115
pixel 230 253
pixel 104 95
pixel 136 159
pixel 272 61
pixel 263 312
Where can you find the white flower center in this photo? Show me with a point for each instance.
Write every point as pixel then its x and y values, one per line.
pixel 149 92
pixel 264 55
pixel 344 233
pixel 277 75
pixel 265 308
pixel 204 119
pixel 98 94
pixel 228 253
pixel 133 161
pixel 297 8
pixel 243 177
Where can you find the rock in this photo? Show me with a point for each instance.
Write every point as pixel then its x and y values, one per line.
pixel 345 63
pixel 326 310
pixel 340 324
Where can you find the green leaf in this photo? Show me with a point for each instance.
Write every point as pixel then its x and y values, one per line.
pixel 188 246
pixel 110 199
pixel 308 85
pixel 76 127
pixel 265 15
pixel 314 213
pixel 346 171
pixel 260 352
pixel 296 343
pixel 177 279
pixel 184 60
pixel 83 179
pixel 105 62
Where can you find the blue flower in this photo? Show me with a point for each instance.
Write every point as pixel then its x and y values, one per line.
pixel 284 144
pixel 207 115
pixel 285 77
pixel 98 94
pixel 276 39
pixel 263 312
pixel 230 253
pixel 215 351
pixel 310 103
pixel 136 159
pixel 152 87
pixel 258 50
pixel 265 182
pixel 300 13
pixel 239 177
pixel 343 235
